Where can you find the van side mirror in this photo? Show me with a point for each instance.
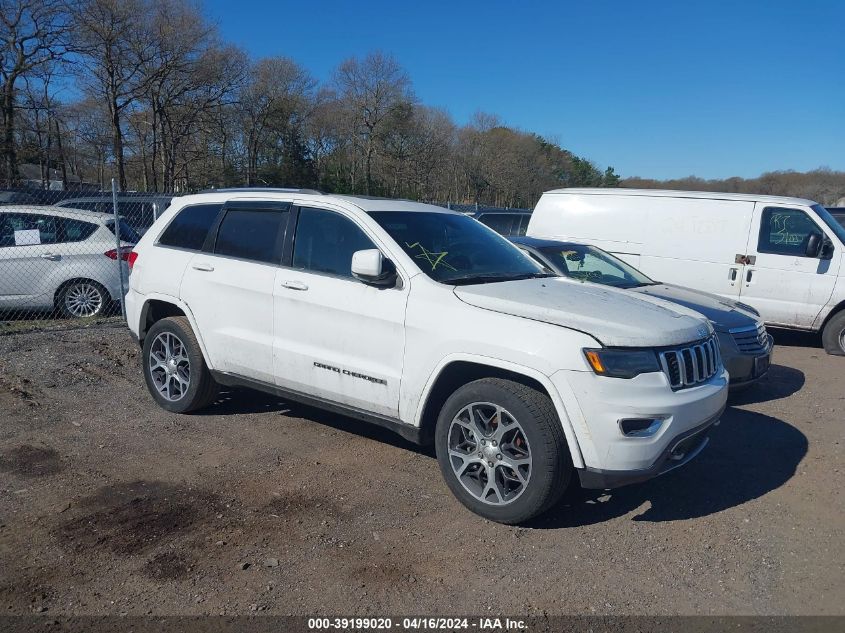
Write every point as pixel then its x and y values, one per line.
pixel 373 268
pixel 814 245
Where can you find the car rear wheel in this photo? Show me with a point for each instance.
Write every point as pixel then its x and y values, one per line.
pixel 82 299
pixel 833 335
pixel 174 368
pixel 501 449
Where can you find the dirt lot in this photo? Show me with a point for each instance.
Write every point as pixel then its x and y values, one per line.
pixel 110 505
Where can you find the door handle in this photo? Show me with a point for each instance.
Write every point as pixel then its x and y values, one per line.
pixel 50 256
pixel 206 268
pixel 748 276
pixel 733 273
pixel 295 285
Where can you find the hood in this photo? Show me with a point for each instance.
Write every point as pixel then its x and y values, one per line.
pixel 616 318
pixel 724 314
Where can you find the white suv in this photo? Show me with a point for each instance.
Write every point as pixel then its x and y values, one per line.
pixel 427 322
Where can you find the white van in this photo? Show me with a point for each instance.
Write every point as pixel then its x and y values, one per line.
pixel 782 256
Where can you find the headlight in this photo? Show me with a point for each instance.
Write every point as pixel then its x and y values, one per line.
pixel 621 363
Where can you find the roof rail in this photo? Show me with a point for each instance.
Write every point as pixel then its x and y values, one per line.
pixel 262 189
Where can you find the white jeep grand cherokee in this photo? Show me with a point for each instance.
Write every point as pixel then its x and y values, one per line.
pixel 425 321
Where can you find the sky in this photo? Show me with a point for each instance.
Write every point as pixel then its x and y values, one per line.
pixel 654 89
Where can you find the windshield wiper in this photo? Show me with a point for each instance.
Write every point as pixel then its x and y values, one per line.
pixel 486 279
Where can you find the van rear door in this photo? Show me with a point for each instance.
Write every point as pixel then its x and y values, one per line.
pixel 781 281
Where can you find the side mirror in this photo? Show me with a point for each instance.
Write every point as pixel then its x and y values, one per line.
pixel 814 245
pixel 373 268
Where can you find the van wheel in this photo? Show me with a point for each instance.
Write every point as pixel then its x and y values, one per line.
pixel 833 335
pixel 174 369
pixel 502 451
pixel 82 299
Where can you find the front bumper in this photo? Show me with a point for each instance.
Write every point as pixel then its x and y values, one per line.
pixel 599 405
pixel 744 367
pixel 683 449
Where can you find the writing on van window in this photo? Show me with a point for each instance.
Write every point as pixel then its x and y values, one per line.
pixel 434 259
pixel 784 229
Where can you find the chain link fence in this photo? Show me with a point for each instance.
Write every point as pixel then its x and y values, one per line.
pixel 65 255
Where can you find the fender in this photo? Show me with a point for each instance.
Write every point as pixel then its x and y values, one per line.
pixel 155 296
pixel 544 380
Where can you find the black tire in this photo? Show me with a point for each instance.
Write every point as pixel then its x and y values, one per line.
pixel 73 298
pixel 202 388
pixel 551 466
pixel 833 335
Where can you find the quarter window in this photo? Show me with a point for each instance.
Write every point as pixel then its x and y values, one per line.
pixel 325 242
pixel 190 227
pixel 71 230
pixel 251 234
pixel 785 231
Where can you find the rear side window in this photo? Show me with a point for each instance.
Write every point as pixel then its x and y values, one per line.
pixel 785 231
pixel 27 229
pixel 190 227
pixel 251 234
pixel 71 230
pixel 325 242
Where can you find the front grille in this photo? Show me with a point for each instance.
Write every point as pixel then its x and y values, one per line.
pixel 692 364
pixel 751 340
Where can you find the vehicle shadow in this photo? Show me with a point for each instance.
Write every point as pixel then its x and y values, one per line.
pixel 795 338
pixel 748 456
pixel 781 382
pixel 238 401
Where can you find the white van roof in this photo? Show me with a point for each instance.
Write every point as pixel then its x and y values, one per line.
pixel 668 193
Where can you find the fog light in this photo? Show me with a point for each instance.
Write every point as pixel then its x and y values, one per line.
pixel 640 427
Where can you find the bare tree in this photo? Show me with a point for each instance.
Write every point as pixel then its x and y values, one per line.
pixel 34 33
pixel 116 46
pixel 277 94
pixel 373 89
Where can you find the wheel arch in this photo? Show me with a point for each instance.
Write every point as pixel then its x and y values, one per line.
pixel 836 311
pixel 456 371
pixel 839 307
pixel 156 308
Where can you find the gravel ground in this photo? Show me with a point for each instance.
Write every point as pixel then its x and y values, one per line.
pixel 110 505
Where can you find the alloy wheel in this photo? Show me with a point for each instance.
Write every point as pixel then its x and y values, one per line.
pixel 489 453
pixel 83 300
pixel 169 366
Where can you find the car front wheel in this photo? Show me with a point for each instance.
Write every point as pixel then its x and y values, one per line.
pixel 501 449
pixel 833 335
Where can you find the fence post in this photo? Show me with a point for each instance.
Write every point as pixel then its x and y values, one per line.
pixel 119 257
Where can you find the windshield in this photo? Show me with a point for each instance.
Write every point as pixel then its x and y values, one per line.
pixel 831 222
pixel 588 263
pixel 456 249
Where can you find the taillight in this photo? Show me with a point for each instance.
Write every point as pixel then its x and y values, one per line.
pixel 126 254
